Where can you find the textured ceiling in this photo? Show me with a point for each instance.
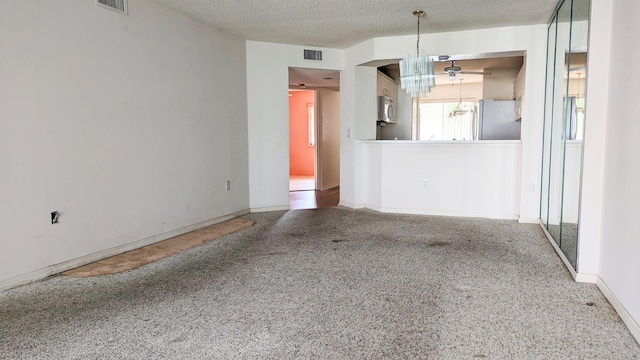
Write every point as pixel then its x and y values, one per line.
pixel 343 23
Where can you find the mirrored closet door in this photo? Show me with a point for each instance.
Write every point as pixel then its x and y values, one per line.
pixel 564 122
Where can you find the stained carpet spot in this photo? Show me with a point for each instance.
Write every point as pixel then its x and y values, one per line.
pixel 590 304
pixel 339 240
pixel 148 254
pixel 438 243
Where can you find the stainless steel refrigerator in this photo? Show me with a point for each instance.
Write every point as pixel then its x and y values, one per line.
pixel 496 120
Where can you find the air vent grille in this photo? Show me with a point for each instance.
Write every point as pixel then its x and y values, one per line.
pixel 115 5
pixel 315 55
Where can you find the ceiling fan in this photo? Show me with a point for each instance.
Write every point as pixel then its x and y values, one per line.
pixel 454 70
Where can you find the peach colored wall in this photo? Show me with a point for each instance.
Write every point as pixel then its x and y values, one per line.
pixel 301 155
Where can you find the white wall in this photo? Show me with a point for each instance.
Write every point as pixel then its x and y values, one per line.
pixel 127 125
pixel 501 84
pixel 451 92
pixel 356 101
pixel 464 178
pixel 267 98
pixel 519 90
pixel 598 83
pixel 620 248
pixel 329 135
pixel 268 117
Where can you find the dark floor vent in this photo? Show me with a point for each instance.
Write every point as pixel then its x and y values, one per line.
pixel 115 5
pixel 315 55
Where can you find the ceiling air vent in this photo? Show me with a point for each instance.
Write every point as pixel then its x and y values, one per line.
pixel 315 55
pixel 115 5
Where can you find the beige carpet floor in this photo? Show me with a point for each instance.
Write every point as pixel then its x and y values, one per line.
pixel 148 254
pixel 330 283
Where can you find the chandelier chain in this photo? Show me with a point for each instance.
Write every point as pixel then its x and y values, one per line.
pixel 418 42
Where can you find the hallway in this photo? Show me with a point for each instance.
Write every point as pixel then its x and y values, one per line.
pixel 302 194
pixel 314 199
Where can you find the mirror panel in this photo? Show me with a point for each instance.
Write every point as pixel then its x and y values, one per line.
pixel 564 124
pixel 548 122
pixel 574 116
pixel 556 142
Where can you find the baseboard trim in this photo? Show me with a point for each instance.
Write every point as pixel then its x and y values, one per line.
pixel 442 213
pixel 329 186
pixel 586 278
pixel 373 207
pixel 526 220
pixel 100 255
pixel 270 208
pixel 628 320
pixel 351 205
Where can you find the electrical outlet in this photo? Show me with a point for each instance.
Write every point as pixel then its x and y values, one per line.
pixel 54 217
pixel 424 183
pixel 348 133
pixel 533 187
pixel 227 185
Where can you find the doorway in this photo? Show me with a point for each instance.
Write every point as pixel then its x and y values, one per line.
pixel 302 140
pixel 314 138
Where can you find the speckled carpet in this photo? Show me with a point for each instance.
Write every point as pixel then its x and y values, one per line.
pixel 327 284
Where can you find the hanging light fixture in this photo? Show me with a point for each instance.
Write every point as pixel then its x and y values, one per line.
pixel 459 110
pixel 416 71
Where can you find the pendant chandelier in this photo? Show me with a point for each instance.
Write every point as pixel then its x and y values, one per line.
pixel 459 110
pixel 416 71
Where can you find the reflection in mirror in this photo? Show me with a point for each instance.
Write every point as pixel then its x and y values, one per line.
pixel 574 119
pixel 576 64
pixel 556 121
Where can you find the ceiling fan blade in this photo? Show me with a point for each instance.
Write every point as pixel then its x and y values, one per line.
pixel 475 72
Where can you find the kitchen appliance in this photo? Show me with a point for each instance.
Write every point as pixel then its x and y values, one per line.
pixel 386 110
pixel 496 120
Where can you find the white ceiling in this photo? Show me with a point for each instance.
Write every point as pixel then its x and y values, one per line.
pixel 343 23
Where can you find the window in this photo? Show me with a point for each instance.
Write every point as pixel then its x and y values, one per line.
pixel 311 116
pixel 447 120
